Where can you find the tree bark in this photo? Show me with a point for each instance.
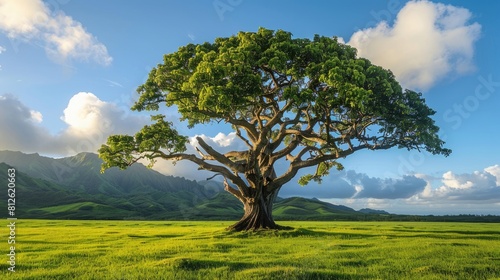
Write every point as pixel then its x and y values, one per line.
pixel 258 213
pixel 257 216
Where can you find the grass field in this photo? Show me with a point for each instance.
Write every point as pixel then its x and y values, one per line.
pixel 49 249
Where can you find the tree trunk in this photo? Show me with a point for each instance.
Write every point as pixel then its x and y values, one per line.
pixel 258 214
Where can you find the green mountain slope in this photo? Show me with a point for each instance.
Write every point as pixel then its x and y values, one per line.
pixel 137 192
pixel 33 193
pixel 83 210
pixel 299 208
pixel 82 172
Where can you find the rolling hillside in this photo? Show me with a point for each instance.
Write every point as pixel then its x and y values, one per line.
pixel 134 193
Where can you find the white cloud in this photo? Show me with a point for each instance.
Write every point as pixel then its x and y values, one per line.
pixel 475 187
pixel 222 142
pixel 495 171
pixel 85 114
pixel 427 42
pixel 89 122
pixel 477 179
pixel 453 181
pixel 63 37
pixel 22 17
pixel 36 116
pixel 427 192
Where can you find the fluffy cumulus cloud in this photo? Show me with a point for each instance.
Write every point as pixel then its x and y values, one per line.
pixel 89 121
pixel 87 114
pixel 84 113
pixel 62 37
pixel 475 186
pixel 426 42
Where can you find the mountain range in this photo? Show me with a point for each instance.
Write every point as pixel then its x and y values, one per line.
pixel 73 188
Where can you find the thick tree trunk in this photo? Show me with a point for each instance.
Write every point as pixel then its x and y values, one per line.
pixel 258 214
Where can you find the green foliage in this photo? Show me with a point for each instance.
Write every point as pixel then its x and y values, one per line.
pixel 124 150
pixel 323 169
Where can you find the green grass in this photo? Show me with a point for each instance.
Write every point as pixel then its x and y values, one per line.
pixel 73 207
pixel 84 210
pixel 57 249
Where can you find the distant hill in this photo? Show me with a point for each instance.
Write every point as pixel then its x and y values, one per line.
pixel 137 192
pixel 34 193
pixel 373 211
pixel 299 208
pixel 82 173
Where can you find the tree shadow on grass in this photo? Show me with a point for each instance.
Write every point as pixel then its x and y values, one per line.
pixel 462 232
pixel 449 234
pixel 194 264
pixel 154 235
pixel 277 272
pixel 291 233
pixel 304 232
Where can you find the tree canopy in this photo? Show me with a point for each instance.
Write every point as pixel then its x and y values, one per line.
pixel 306 102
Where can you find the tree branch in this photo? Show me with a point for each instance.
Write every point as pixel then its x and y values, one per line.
pixel 245 140
pixel 220 157
pixel 234 192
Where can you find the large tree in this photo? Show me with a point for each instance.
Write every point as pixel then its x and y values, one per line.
pixel 295 102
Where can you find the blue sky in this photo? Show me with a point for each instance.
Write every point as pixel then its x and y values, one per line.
pixel 69 70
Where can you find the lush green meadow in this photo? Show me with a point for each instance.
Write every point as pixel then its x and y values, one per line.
pixel 50 249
